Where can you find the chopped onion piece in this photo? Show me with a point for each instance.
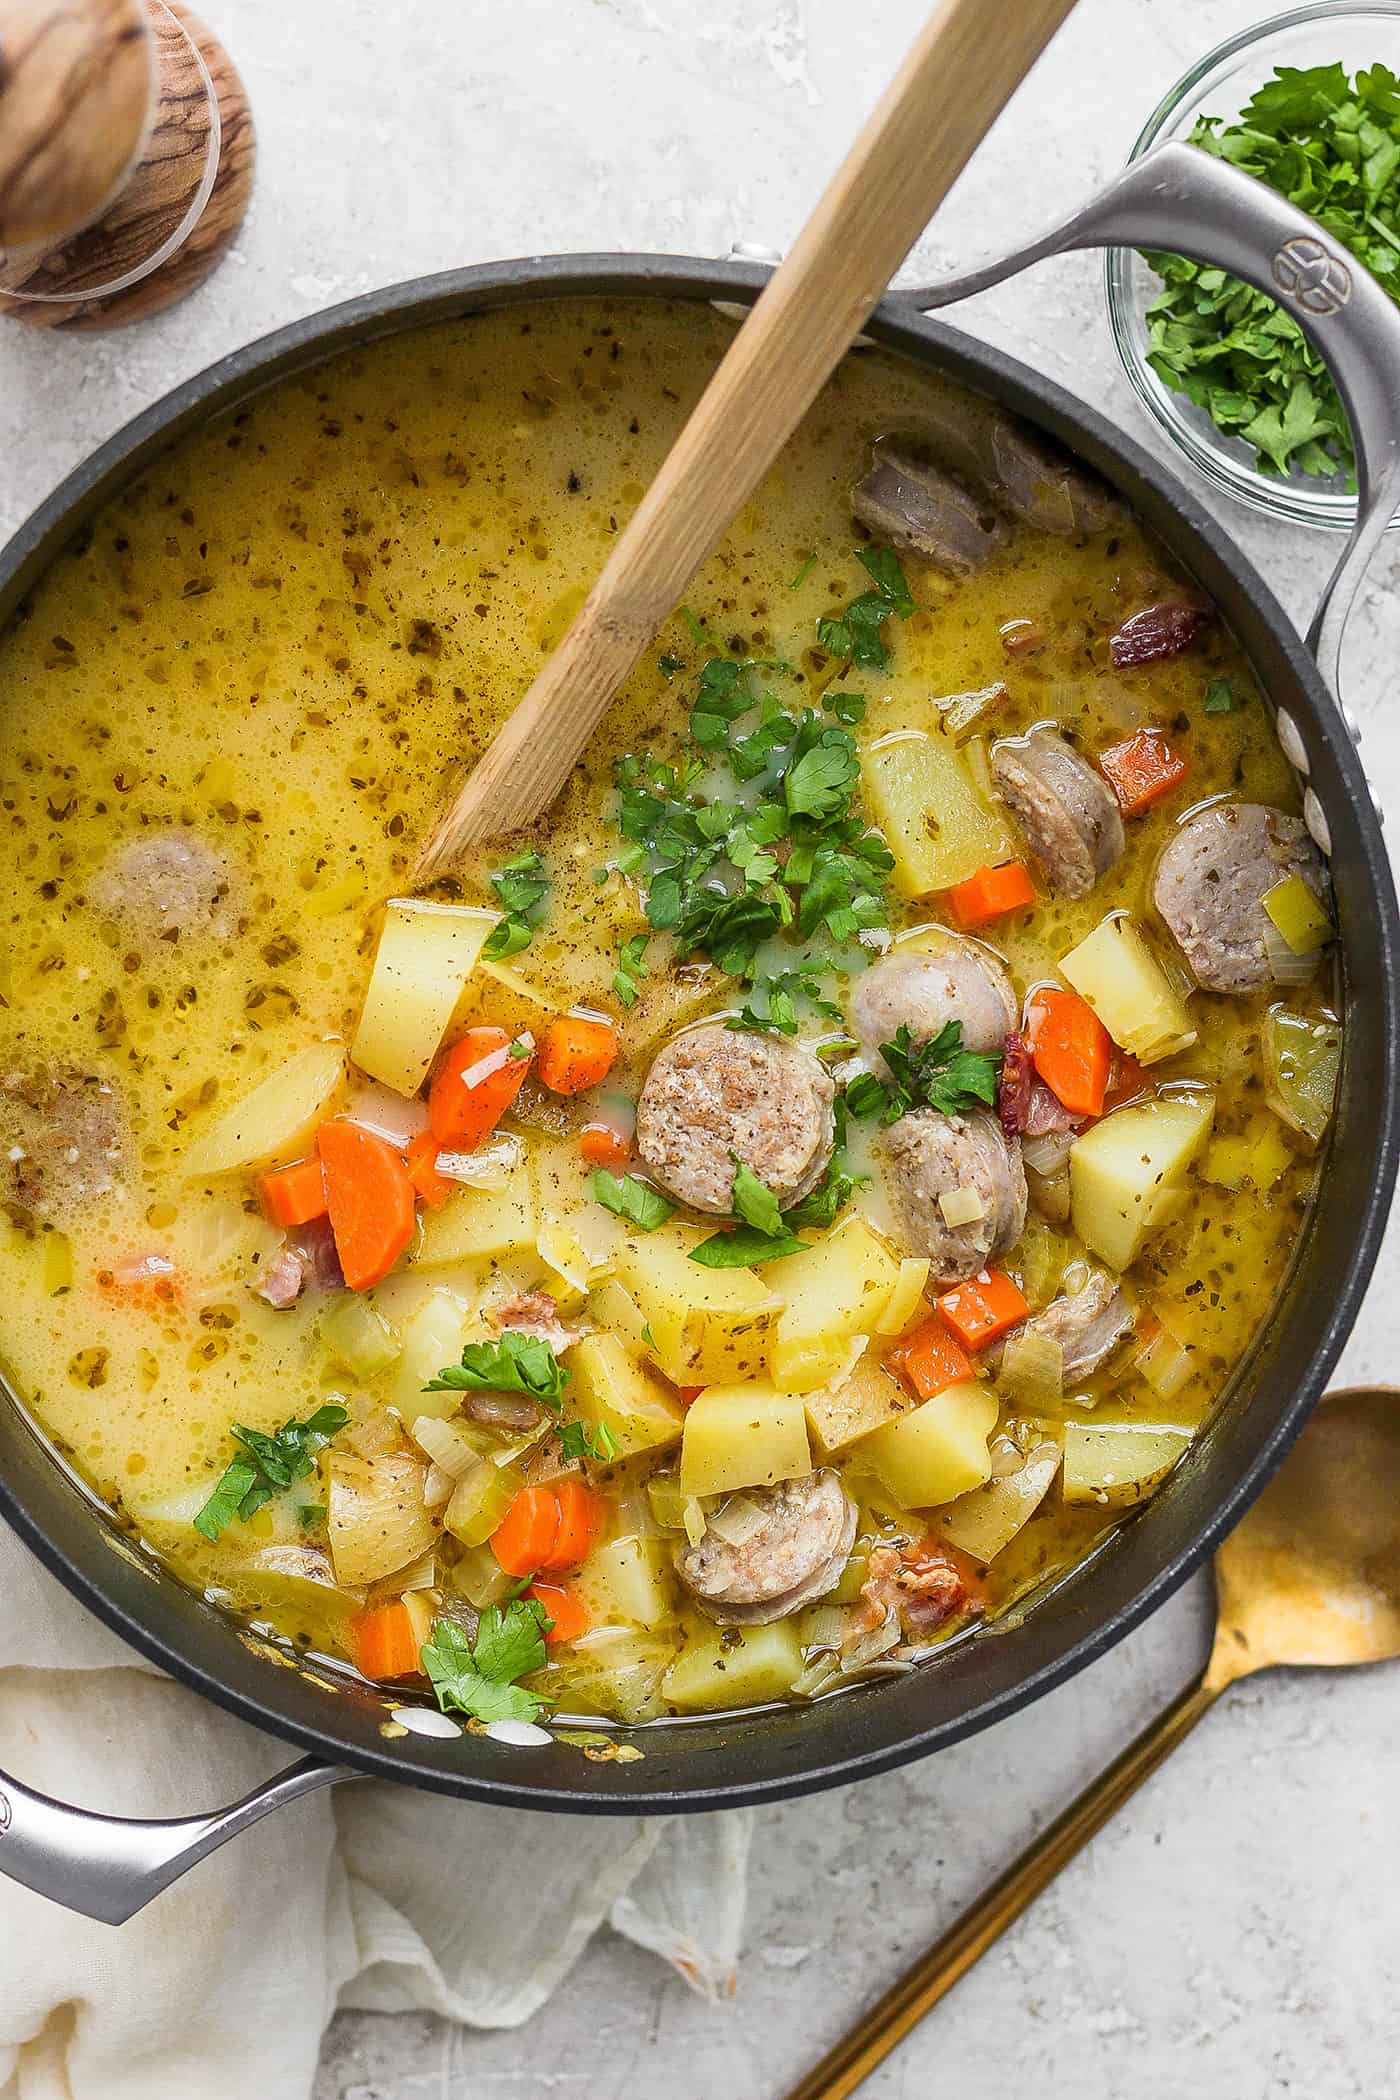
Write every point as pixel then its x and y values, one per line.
pixel 1298 915
pixel 1035 1365
pixel 693 1517
pixel 871 1646
pixel 964 709
pixel 397 1117
pixel 818 1676
pixel 1301 1060
pixel 962 1206
pixel 825 1626
pixel 437 1488
pixel 979 765
pixel 1046 1155
pixel 489 1167
pixel 450 1448
pixel 1165 1364
pixel 1286 965
pixel 737 1520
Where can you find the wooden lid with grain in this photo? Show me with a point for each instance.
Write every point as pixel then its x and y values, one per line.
pixel 77 93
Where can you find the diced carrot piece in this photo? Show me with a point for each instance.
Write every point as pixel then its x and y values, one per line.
pixel 581 1518
pixel 602 1146
pixel 576 1053
pixel 433 1188
pixel 294 1195
pixel 525 1538
pixel 564 1608
pixel 383 1643
pixel 929 1360
pixel 369 1197
pixel 1142 770
pixel 984 1307
pixel 1070 1048
pixel 990 894
pixel 1127 1081
pixel 473 1087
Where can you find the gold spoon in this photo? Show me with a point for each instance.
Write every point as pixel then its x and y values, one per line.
pixel 1311 1575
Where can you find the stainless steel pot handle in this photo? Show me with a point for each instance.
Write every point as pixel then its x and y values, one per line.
pixel 109 1867
pixel 1188 202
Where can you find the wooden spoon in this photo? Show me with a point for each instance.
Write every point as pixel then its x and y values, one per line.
pixel 951 87
pixel 1310 1576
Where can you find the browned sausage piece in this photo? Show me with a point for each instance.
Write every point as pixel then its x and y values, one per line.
pixel 795 1552
pixel 922 991
pixel 1212 878
pixel 928 1155
pixel 1024 473
pixel 1067 813
pixel 64 1140
pixel 915 506
pixel 718 1093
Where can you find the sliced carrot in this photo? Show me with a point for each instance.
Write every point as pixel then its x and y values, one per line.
pixel 474 1086
pixel 581 1517
pixel 383 1643
pixel 576 1053
pixel 929 1360
pixel 564 1608
pixel 369 1197
pixel 1070 1048
pixel 525 1538
pixel 990 894
pixel 602 1146
pixel 294 1195
pixel 1142 770
pixel 984 1307
pixel 421 1160
pixel 1127 1081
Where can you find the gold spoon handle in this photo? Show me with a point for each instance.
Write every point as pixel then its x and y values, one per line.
pixel 933 1976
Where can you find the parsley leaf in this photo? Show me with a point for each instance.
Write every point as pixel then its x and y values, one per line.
pixel 820 783
pixel 480 1680
pixel 1220 697
pixel 936 1074
pixel 744 1248
pixel 577 1440
pixel 522 886
pixel 882 566
pixel 631 969
pixel 669 665
pixel 722 698
pixel 269 1464
pixel 628 1196
pixel 515 1363
pixel 754 1201
pixel 826 1201
pixel 855 635
pixel 772 1004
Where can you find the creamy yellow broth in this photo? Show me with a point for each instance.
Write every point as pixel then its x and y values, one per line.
pixel 291 634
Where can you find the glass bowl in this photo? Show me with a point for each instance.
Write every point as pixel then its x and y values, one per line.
pixel 1220 86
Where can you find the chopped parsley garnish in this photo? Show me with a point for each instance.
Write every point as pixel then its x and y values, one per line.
pixel 1220 697
pixel 515 1363
pixel 754 1201
pixel 772 1004
pixel 762 1234
pixel 669 665
pixel 855 635
pixel 269 1465
pixel 803 573
pixel 630 1197
pixel 937 1074
pixel 1332 145
pixel 479 1679
pixel 577 1440
pixel 631 969
pixel 522 886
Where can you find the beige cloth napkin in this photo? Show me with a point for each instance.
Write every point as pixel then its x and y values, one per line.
pixel 367 1895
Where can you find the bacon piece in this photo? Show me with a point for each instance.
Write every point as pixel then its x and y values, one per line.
pixel 285 1279
pixel 1047 1115
pixel 306 1256
pixel 1015 1088
pixel 926 1584
pixel 536 1313
pixel 1158 630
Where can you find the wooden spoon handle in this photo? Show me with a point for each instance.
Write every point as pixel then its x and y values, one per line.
pixel 965 65
pixel 930 1978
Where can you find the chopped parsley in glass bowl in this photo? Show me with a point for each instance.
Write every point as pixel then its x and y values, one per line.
pixel 1310 103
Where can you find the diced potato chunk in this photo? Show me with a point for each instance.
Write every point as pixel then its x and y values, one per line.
pixel 839 1288
pixel 1118 1463
pixel 707 1326
pixel 920 793
pixel 426 954
pixel 629 1580
pixel 870 1397
pixel 739 1436
pixel 615 1309
pixel 610 1389
pixel 1127 1173
pixel 565 1207
pixel 480 1224
pixel 1114 969
pixel 430 1339
pixel 278 1113
pixel 721 1670
pixel 937 1450
pixel 986 1520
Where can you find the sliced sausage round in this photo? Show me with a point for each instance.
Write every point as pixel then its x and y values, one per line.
pixel 719 1093
pixel 792 1557
pixel 167 886
pixel 928 1155
pixel 915 506
pixel 64 1140
pixel 923 991
pixel 1088 1323
pixel 1067 814
pixel 1210 884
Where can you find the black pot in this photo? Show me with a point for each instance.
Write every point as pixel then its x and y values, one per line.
pixel 109 1868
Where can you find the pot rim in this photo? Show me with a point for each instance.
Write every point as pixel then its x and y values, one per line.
pixel 421 302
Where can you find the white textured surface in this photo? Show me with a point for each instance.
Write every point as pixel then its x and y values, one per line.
pixel 1236 1933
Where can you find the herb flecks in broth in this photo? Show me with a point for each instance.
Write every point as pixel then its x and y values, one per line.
pixel 754 1394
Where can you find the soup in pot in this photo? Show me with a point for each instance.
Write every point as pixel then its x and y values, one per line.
pixel 742 1236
